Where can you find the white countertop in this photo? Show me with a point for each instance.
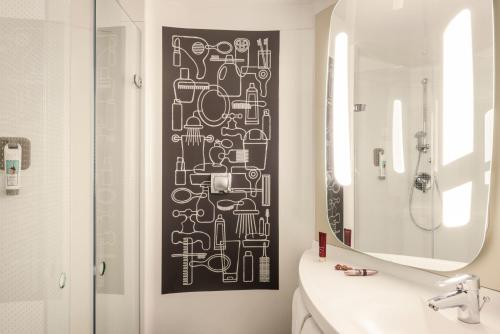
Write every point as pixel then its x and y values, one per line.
pixel 385 303
pixel 421 262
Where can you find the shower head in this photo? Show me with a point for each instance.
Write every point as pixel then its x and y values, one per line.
pixel 420 134
pixel 422 146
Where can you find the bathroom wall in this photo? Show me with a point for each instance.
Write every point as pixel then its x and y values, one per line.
pixel 485 265
pixel 235 311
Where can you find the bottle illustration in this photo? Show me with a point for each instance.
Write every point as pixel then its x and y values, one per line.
pixel 266 123
pixel 220 233
pixel 177 115
pixel 177 52
pixel 180 172
pixel 248 267
pixel 228 77
pixel 204 203
pixel 252 108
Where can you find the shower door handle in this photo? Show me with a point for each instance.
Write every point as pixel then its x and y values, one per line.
pixel 101 269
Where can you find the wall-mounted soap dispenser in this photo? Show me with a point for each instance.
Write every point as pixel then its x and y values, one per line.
pixel 14 157
pixel 380 162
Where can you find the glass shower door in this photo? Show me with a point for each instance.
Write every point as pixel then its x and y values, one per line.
pixel 117 161
pixel 34 167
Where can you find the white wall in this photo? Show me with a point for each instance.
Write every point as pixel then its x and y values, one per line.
pixel 267 312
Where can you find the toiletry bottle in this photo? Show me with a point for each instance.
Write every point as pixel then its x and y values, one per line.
pixel 177 115
pixel 220 233
pixel 248 267
pixel 382 164
pixel 252 100
pixel 180 172
pixel 322 246
pixel 12 165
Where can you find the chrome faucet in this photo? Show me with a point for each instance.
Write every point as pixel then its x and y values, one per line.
pixel 465 298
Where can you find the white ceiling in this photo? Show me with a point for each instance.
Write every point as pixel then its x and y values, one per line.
pixel 411 35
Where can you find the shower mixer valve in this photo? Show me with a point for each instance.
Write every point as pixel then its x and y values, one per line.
pixel 423 182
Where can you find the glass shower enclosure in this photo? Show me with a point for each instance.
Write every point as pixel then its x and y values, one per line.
pixel 70 120
pixel 117 172
pixel 35 58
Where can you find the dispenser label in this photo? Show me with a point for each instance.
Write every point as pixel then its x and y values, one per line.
pixel 12 169
pixel 220 115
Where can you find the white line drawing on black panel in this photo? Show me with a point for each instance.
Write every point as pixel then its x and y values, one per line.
pixel 217 153
pixel 210 263
pixel 194 142
pixel 252 113
pixel 185 87
pixel 248 267
pixel 264 54
pixel 246 211
pixel 256 142
pixel 229 77
pixel 237 156
pixel 262 75
pixel 220 233
pixel 261 238
pixel 180 172
pixel 242 50
pixel 197 49
pixel 230 275
pixel 187 255
pixel 221 116
pixel 232 129
pixel 264 267
pixel 206 115
pixel 266 189
pixel 266 123
pixel 205 208
pixel 188 229
pixel 177 115
pixel 251 175
pixel 188 236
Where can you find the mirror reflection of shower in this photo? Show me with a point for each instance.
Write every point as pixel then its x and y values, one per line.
pixel 422 181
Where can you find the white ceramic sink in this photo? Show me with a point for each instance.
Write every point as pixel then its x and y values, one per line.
pixel 386 303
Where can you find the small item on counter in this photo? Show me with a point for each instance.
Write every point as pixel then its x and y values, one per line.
pixel 322 246
pixel 342 267
pixel 360 272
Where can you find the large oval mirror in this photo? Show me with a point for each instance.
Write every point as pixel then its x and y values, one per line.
pixel 410 128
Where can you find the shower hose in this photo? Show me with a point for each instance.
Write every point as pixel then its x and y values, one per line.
pixel 410 198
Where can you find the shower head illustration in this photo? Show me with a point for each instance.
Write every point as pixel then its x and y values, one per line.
pixel 246 212
pixel 193 127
